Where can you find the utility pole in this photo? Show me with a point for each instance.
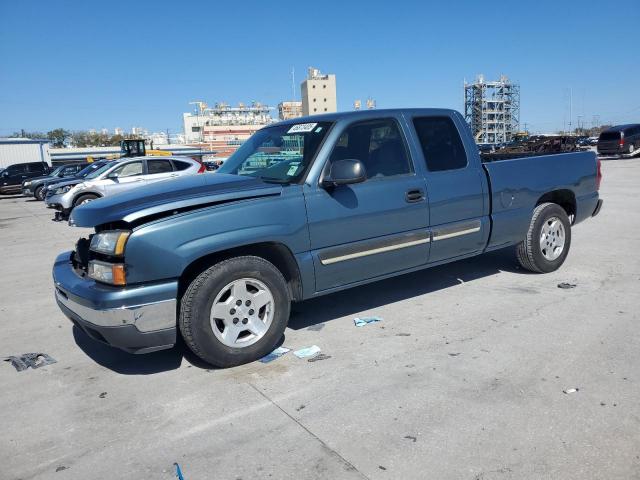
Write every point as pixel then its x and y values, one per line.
pixel 570 108
pixel 168 138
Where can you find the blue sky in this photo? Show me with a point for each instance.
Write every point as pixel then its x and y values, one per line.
pixel 88 64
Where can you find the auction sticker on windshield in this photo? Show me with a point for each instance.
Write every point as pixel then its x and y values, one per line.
pixel 302 128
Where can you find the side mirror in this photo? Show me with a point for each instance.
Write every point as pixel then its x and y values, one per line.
pixel 113 175
pixel 345 172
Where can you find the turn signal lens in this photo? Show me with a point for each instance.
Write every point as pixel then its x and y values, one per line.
pixel 111 273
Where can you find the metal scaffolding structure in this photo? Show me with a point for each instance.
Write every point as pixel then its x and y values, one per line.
pixel 492 109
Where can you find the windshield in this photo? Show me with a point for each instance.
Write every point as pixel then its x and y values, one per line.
pixel 89 168
pixel 99 171
pixel 279 154
pixel 56 171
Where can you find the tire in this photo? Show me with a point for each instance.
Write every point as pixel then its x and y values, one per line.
pixel 542 251
pixel 88 197
pixel 39 193
pixel 209 331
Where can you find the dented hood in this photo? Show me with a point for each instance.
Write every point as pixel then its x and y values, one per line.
pixel 171 195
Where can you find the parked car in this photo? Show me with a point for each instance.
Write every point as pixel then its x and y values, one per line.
pixel 53 184
pixel 620 140
pixel 120 176
pixel 303 208
pixel 11 178
pixel 35 186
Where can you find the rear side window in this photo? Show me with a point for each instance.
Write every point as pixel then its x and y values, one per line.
pixel 159 166
pixel 440 142
pixel 181 165
pixel 36 167
pixel 610 136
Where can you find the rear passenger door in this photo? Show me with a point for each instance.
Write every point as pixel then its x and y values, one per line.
pixel 159 169
pixel 366 230
pixel 455 188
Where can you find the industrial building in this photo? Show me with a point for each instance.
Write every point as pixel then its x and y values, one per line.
pixel 492 109
pixel 318 93
pixel 222 129
pixel 288 110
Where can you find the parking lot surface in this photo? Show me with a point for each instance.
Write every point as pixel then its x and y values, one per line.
pixel 464 378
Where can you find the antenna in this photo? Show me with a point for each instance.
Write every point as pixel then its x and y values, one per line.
pixel 293 83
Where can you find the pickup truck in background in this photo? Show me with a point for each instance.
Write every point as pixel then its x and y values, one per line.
pixel 304 208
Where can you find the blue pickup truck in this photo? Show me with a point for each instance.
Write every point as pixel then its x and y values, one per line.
pixel 304 208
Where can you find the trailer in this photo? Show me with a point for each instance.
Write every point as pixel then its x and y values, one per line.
pixel 23 150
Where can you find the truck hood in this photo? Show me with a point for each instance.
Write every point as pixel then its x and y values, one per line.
pixel 175 195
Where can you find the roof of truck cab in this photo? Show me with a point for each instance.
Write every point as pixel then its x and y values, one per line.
pixel 366 114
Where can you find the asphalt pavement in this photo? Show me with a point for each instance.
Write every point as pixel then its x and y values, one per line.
pixel 464 378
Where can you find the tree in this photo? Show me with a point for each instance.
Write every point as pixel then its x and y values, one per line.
pixel 24 134
pixel 58 137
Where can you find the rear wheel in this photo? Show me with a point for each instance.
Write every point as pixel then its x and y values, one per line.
pixel 235 311
pixel 547 243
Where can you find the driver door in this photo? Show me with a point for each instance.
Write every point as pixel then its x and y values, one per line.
pixel 127 176
pixel 367 230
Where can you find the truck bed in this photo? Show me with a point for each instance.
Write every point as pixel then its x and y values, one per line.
pixel 518 184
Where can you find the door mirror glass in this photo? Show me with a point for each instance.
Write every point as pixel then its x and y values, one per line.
pixel 345 172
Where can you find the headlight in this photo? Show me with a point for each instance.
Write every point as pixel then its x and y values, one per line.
pixel 26 184
pixel 112 273
pixel 110 243
pixel 64 189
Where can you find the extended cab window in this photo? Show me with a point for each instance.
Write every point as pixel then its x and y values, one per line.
pixel 378 144
pixel 441 143
pixel 129 170
pixel 159 166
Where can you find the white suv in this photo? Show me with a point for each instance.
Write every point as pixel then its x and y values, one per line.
pixel 120 176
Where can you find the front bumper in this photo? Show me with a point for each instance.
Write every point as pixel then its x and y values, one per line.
pixel 27 191
pixel 136 319
pixel 56 201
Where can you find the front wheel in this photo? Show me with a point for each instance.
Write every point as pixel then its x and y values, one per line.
pixel 82 199
pixel 547 243
pixel 39 193
pixel 235 311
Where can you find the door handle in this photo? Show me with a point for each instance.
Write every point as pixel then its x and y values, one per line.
pixel 413 196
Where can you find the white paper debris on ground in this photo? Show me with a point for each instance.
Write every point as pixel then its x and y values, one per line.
pixel 571 390
pixel 361 322
pixel 307 352
pixel 277 353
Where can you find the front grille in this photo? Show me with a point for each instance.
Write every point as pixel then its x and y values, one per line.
pixel 80 257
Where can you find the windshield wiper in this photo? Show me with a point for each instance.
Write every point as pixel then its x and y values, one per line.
pixel 279 181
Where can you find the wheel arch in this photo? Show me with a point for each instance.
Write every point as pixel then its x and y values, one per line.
pixel 75 199
pixel 563 197
pixel 275 252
